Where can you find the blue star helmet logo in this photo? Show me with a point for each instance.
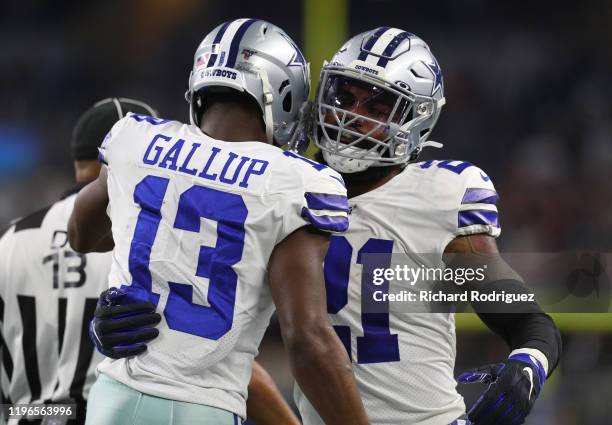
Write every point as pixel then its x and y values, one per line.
pixel 437 74
pixel 298 59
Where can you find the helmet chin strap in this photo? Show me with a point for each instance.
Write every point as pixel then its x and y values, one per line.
pixel 189 99
pixel 431 144
pixel 345 165
pixel 305 125
pixel 394 129
pixel 268 98
pixel 191 114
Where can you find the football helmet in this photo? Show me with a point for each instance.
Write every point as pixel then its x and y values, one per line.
pixel 260 59
pixel 377 101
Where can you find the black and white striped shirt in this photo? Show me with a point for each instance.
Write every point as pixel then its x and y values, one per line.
pixel 48 294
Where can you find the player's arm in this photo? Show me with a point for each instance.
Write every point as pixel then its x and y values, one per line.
pixel 265 404
pixel 89 227
pixel 527 327
pixel 532 336
pixel 318 359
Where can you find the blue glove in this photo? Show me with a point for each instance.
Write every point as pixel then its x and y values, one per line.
pixel 513 387
pixel 122 330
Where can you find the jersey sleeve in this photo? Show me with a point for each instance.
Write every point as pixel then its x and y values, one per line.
pixel 477 209
pixel 321 202
pixel 106 149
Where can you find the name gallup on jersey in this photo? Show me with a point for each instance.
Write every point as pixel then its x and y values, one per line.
pixel 220 165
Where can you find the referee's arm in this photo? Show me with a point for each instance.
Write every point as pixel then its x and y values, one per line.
pixel 6 247
pixel 89 227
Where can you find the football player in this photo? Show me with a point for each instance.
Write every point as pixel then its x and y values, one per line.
pixel 201 217
pixel 48 292
pixel 378 100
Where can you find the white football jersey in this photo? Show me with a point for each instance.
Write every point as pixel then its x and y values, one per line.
pixel 404 362
pixel 195 221
pixel 48 296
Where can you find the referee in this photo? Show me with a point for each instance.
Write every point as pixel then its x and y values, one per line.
pixel 48 292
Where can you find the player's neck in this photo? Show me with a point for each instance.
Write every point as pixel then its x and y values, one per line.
pixel 366 181
pixel 233 122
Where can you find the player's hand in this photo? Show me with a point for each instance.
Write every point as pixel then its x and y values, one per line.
pixel 122 330
pixel 513 387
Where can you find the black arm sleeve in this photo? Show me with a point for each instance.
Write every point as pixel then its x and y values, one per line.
pixel 528 327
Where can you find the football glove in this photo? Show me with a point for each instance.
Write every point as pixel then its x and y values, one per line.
pixel 513 387
pixel 122 330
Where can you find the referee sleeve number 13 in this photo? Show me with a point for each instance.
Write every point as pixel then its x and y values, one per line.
pixel 214 263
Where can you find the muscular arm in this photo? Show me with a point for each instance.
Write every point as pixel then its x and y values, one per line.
pixel 266 405
pixel 530 328
pixel 89 228
pixel 318 359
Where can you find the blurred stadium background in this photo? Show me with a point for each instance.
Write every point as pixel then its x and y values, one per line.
pixel 528 88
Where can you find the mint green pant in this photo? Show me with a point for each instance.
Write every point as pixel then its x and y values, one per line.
pixel 112 403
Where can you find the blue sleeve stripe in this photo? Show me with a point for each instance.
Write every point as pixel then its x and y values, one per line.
pixel 479 196
pixel 325 201
pixel 470 218
pixel 326 222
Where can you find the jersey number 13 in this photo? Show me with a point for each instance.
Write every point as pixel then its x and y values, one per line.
pixel 214 263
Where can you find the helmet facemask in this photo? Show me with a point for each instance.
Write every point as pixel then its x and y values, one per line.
pixel 363 121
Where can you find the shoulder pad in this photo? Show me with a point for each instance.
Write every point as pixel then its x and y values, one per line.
pixel 470 192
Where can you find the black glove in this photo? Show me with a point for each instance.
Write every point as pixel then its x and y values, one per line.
pixel 121 330
pixel 513 388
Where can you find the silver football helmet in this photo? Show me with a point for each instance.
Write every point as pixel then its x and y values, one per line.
pixel 378 100
pixel 258 58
